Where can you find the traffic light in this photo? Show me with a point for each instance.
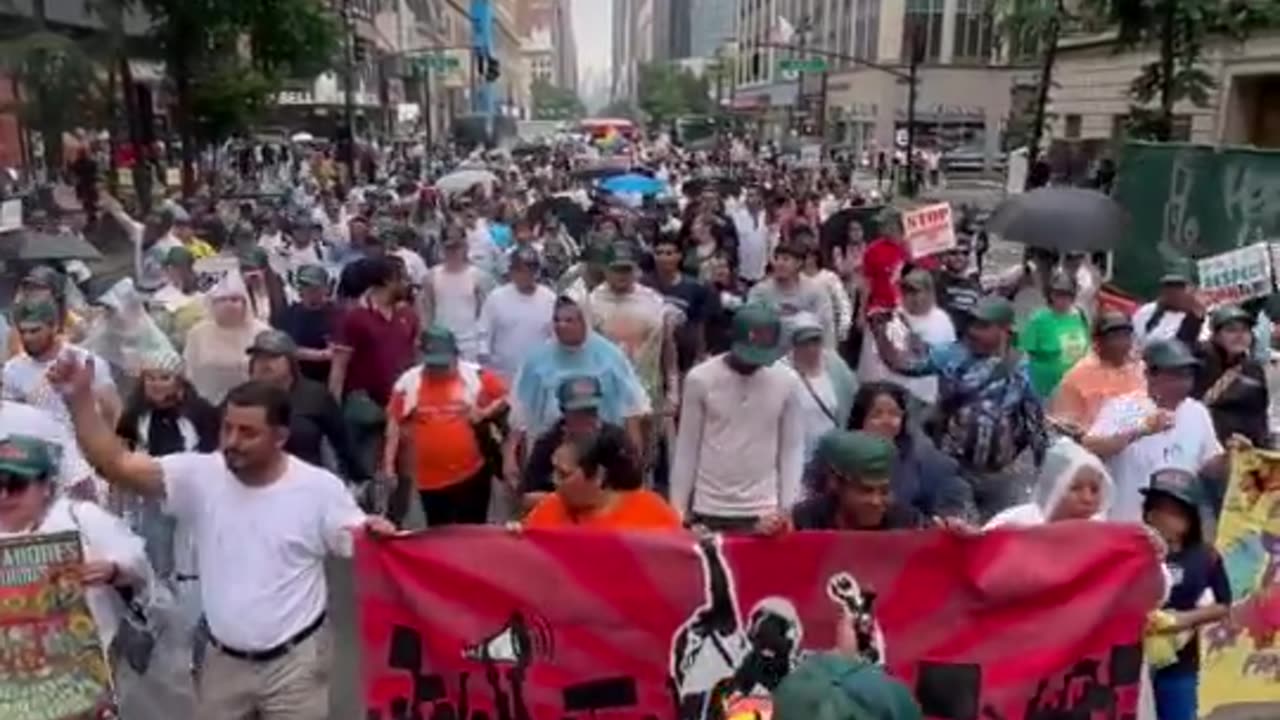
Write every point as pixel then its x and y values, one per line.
pixel 492 69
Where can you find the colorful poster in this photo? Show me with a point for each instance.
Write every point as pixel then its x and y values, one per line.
pixel 1240 658
pixel 929 230
pixel 1234 276
pixel 663 626
pixel 52 664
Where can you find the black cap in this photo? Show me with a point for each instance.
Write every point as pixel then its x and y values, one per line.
pixel 1178 483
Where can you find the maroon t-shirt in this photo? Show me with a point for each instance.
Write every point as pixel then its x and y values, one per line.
pixel 381 349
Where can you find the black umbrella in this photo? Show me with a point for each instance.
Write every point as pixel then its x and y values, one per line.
pixel 570 214
pixel 835 231
pixel 1061 219
pixel 27 244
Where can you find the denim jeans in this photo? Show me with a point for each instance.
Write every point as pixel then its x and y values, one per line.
pixel 1175 692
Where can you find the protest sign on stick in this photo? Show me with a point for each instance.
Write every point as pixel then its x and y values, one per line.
pixel 929 229
pixel 629 626
pixel 52 664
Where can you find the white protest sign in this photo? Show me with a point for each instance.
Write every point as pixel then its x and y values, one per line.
pixel 1235 276
pixel 929 230
pixel 10 215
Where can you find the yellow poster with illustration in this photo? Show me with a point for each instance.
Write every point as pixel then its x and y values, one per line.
pixel 1240 658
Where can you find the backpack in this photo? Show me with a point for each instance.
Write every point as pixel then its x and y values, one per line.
pixel 976 427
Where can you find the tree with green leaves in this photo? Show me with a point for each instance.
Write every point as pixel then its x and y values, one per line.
pixel 668 91
pixel 227 58
pixel 54 73
pixel 1031 28
pixel 1179 31
pixel 555 103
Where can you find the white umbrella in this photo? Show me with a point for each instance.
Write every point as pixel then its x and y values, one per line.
pixel 302 137
pixel 463 180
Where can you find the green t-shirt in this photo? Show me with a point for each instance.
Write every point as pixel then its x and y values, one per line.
pixel 1053 342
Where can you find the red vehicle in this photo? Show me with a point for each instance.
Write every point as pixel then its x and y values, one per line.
pixel 603 127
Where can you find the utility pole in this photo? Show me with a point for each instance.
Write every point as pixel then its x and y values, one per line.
pixel 1042 92
pixel 913 84
pixel 349 94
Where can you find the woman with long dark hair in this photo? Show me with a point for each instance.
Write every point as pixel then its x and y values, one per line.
pixel 923 476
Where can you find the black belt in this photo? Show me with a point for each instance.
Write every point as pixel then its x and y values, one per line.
pixel 275 653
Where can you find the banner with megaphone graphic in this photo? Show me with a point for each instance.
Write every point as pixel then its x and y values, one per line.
pixel 572 625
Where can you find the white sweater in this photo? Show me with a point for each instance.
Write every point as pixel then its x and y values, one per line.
pixel 740 448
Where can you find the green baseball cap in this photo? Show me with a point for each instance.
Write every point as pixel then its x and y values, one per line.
pixel 580 393
pixel 179 256
pixel 1228 314
pixel 917 280
pixel 439 347
pixel 273 342
pixel 27 457
pixel 621 255
pixel 1177 272
pixel 253 257
pixel 35 311
pixel 1168 355
pixel 757 335
pixel 994 310
pixel 312 276
pixel 1109 321
pixel 857 455
pixel 831 686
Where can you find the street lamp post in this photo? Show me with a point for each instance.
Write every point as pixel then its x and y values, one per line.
pixel 913 83
pixel 349 94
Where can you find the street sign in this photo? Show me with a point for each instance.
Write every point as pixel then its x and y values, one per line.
pixel 436 63
pixel 803 65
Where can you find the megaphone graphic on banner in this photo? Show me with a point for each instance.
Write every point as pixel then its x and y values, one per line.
pixel 516 643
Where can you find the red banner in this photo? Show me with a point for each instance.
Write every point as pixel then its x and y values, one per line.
pixel 473 623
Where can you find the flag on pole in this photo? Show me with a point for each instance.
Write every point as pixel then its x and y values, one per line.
pixel 783 31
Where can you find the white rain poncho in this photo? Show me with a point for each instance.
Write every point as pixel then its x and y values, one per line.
pixel 124 333
pixel 1064 459
pixel 215 352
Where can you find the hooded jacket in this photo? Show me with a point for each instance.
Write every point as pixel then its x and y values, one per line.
pixel 1063 460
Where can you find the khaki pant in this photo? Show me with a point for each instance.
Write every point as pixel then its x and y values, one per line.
pixel 292 687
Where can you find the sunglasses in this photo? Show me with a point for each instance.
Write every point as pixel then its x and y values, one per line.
pixel 11 484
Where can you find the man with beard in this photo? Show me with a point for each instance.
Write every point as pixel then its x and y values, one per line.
pixel 716 661
pixel 740 446
pixel 39 331
pixel 264 523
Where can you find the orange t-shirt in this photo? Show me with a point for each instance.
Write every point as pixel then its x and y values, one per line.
pixel 438 424
pixel 1088 385
pixel 634 510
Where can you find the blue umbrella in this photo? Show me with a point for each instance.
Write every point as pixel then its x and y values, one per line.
pixel 634 183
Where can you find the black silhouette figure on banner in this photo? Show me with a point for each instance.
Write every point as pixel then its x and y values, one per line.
pixel 951 691
pixel 717 658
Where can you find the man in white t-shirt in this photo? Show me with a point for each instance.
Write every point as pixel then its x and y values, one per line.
pixel 42 343
pixel 453 294
pixel 1139 433
pixel 516 318
pixel 264 522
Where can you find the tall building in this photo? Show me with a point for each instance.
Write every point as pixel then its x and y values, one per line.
pixel 710 25
pixel 671 29
pixel 555 17
pixel 964 86
pixel 1089 103
pixel 633 45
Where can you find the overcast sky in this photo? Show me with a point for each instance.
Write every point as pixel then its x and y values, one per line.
pixel 593 30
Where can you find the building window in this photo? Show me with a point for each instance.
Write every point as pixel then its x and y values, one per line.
pixel 1119 127
pixel 1072 126
pixel 1180 128
pixel 975 31
pixel 866 30
pixel 923 19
